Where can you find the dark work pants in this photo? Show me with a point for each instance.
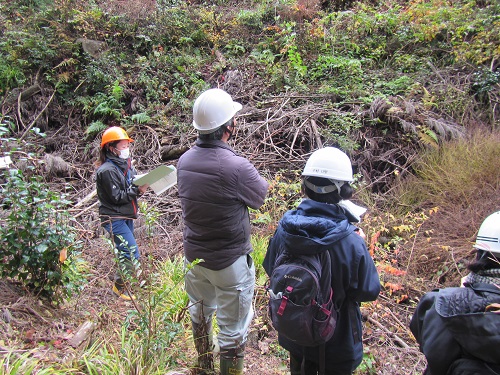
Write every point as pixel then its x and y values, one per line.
pixel 311 368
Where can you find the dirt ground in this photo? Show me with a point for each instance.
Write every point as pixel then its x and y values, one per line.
pixel 29 325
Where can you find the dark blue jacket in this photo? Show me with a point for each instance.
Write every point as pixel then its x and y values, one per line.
pixel 451 324
pixel 315 227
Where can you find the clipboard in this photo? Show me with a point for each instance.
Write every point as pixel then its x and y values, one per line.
pixel 5 162
pixel 159 179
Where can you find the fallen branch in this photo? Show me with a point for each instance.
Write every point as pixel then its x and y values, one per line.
pixel 37 117
pixel 396 338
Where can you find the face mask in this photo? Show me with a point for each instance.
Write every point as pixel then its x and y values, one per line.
pixel 125 153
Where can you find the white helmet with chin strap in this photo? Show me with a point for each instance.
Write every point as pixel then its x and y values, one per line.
pixel 488 236
pixel 329 163
pixel 212 109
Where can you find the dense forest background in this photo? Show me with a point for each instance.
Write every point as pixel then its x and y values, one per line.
pixel 409 89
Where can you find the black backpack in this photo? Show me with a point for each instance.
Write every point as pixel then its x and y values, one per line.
pixel 300 298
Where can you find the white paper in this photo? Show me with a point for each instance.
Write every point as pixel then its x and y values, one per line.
pixel 354 209
pixel 5 162
pixel 159 179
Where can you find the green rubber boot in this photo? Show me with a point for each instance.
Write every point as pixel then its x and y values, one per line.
pixel 231 361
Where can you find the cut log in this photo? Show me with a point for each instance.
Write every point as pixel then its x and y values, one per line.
pixel 83 334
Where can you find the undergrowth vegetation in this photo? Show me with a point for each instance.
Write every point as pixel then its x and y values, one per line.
pixel 373 78
pixel 462 173
pixel 161 59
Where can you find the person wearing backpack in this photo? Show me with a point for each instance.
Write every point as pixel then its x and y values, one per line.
pixel 322 224
pixel 458 328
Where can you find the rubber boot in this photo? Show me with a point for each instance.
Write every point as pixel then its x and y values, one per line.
pixel 231 361
pixel 202 336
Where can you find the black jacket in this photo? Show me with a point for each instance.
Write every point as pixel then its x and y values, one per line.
pixel 451 324
pixel 315 227
pixel 117 195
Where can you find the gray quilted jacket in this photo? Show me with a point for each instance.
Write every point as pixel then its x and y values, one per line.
pixel 216 187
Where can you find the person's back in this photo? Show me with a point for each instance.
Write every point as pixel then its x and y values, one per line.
pixel 458 329
pixel 216 187
pixel 321 224
pixel 452 324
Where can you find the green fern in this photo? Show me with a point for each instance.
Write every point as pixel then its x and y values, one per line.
pixel 427 136
pixel 95 128
pixel 140 118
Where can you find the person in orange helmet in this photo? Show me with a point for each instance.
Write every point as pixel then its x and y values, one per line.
pixel 118 200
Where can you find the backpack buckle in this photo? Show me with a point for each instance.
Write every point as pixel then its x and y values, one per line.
pixel 284 300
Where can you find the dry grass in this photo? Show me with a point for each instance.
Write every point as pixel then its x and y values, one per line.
pixel 462 179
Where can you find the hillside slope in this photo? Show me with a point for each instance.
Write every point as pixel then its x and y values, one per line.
pixel 388 83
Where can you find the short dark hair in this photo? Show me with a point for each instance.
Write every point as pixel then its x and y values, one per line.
pixel 485 260
pixel 334 197
pixel 217 133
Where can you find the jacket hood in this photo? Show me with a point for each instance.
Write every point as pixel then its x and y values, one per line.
pixel 463 314
pixel 313 227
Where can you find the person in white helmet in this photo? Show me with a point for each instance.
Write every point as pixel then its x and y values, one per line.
pixel 216 188
pixel 323 222
pixel 458 328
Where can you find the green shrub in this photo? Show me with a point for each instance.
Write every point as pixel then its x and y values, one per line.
pixel 259 244
pixel 157 318
pixel 38 242
pixel 11 76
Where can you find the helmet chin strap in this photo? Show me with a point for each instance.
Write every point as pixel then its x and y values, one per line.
pixel 230 132
pixel 324 189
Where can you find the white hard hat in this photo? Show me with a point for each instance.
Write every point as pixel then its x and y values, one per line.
pixel 212 109
pixel 488 236
pixel 330 163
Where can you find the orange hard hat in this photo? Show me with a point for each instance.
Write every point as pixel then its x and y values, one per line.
pixel 115 133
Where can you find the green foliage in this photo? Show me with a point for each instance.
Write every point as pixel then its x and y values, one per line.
pixel 338 74
pixel 368 365
pixel 96 127
pixel 156 320
pixel 296 64
pixel 39 244
pixel 259 245
pixel 103 106
pixel 484 81
pixel 266 56
pixel 10 76
pixel 251 19
pixel 151 216
pixel 140 118
pixel 398 86
pixel 27 50
pixel 471 31
pixel 283 195
pixel 103 358
pixel 339 129
pixel 342 68
pixel 13 363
